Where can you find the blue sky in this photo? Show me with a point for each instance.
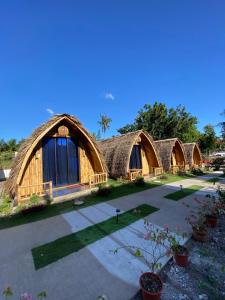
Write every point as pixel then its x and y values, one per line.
pixel 110 57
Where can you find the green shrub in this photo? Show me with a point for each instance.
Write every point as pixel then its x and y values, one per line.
pixel 218 161
pixel 104 190
pixel 197 172
pixel 216 167
pixel 34 199
pixel 139 181
pixel 6 206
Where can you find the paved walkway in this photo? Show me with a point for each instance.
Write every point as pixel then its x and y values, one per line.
pixel 94 270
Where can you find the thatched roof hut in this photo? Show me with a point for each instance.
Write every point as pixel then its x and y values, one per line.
pixel 193 154
pixel 34 161
pixel 172 154
pixel 137 146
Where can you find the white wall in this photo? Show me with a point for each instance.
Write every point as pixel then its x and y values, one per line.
pixel 4 174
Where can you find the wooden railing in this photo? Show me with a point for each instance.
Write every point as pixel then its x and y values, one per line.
pixel 42 189
pixel 134 173
pixel 158 171
pixel 98 179
pixel 174 169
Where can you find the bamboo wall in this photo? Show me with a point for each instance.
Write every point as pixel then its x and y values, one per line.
pixel 86 168
pixel 177 156
pixel 196 157
pixel 33 174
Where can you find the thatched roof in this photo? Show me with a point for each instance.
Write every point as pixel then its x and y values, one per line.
pixel 189 150
pixel 165 148
pixel 117 151
pixel 28 145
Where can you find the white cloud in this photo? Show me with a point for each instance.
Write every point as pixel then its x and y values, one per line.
pixel 50 111
pixel 109 96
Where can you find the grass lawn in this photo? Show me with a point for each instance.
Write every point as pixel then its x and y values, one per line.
pixel 183 193
pixel 119 190
pixel 53 251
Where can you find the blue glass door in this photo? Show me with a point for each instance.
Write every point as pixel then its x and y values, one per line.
pixel 60 161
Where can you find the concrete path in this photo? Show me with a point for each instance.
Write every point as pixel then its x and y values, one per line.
pixel 94 270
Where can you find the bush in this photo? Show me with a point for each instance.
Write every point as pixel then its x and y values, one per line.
pixel 139 181
pixel 197 172
pixel 6 206
pixel 104 190
pixel 218 161
pixel 163 177
pixel 181 173
pixel 216 167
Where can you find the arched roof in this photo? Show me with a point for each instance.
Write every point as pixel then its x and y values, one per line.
pixel 165 148
pixel 32 141
pixel 117 151
pixel 189 150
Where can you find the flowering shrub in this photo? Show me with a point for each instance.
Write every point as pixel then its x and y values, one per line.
pixel 165 244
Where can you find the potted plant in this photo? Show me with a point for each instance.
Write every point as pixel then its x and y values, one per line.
pixel 150 282
pixel 180 252
pixel 199 230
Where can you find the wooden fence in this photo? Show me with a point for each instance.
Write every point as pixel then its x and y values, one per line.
pixel 134 173
pixel 42 189
pixel 158 171
pixel 97 179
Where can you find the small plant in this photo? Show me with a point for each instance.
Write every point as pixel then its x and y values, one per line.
pixel 104 190
pixel 196 217
pixel 7 292
pixel 139 181
pixel 34 200
pixel 42 295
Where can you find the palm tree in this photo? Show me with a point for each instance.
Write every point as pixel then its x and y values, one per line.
pixel 104 123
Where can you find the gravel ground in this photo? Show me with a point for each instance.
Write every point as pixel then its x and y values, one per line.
pixel 204 278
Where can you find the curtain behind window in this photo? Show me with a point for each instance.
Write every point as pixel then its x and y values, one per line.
pixel 135 158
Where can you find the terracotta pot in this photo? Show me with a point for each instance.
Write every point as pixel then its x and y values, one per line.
pixel 147 295
pixel 199 235
pixel 211 221
pixel 181 258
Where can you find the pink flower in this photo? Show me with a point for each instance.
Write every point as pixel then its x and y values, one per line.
pixel 26 296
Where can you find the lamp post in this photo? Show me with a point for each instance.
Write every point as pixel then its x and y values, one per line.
pixel 117 215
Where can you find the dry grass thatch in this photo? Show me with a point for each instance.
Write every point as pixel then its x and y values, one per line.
pixel 165 148
pixel 29 144
pixel 117 150
pixel 191 150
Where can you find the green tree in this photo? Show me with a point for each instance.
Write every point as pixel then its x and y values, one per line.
pixel 222 125
pixel 163 123
pixel 208 139
pixel 3 145
pixel 104 123
pixel 12 145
